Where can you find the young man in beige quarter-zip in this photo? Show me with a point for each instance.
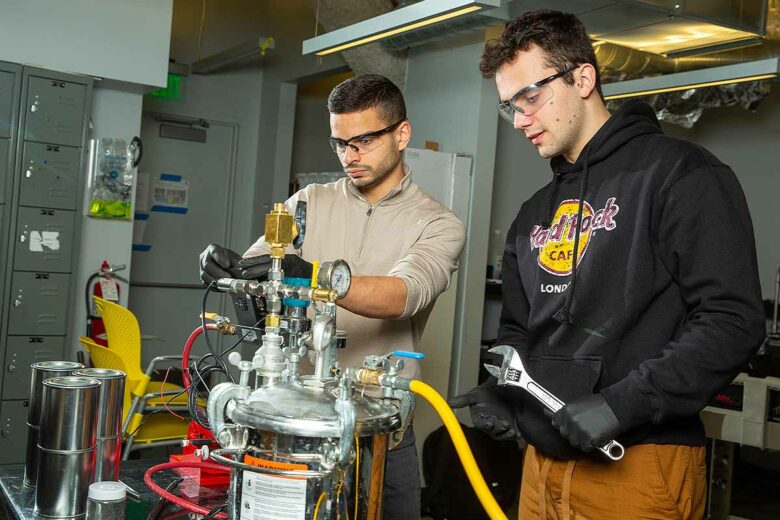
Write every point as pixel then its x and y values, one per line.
pixel 401 245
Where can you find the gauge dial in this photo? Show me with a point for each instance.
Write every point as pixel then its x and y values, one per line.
pixel 335 275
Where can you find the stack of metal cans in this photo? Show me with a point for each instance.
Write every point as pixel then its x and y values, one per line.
pixel 74 434
pixel 40 372
pixel 66 444
pixel 109 423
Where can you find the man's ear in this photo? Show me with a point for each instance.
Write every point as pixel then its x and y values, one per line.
pixel 404 135
pixel 585 80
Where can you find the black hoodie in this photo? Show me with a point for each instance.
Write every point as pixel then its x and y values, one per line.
pixel 667 304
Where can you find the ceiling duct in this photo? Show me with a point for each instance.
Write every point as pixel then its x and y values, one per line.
pixel 369 58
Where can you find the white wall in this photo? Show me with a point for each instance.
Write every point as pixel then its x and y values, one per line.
pixel 123 40
pixel 311 151
pixel 233 97
pixel 114 114
pixel 448 102
pixel 259 94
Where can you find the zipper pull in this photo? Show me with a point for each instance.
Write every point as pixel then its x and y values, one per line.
pixel 370 210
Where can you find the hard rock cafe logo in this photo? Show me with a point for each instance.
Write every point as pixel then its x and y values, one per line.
pixel 556 243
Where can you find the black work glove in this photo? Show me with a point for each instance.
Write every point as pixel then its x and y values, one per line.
pixel 588 423
pixel 218 262
pixel 490 413
pixel 257 267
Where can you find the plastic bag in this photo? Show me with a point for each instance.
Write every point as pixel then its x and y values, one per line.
pixel 112 173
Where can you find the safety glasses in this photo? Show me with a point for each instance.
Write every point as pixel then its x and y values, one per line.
pixel 530 98
pixel 362 143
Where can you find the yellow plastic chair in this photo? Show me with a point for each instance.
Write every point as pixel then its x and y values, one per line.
pixel 124 339
pixel 149 427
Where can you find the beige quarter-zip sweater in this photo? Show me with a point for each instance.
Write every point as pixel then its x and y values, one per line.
pixel 406 234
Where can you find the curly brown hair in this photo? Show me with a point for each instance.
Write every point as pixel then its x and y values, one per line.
pixel 561 36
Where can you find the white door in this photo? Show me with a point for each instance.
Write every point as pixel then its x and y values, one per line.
pixel 166 291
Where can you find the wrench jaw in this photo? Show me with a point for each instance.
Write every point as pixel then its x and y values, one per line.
pixel 512 371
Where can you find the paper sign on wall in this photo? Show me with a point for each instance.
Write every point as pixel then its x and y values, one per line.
pixel 170 193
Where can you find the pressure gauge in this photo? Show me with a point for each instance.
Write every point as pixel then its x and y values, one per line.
pixel 335 275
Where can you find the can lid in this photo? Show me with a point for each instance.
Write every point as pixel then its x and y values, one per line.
pixel 100 373
pixel 63 366
pixel 108 490
pixel 71 382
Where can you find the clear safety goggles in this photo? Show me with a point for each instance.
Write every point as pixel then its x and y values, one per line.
pixel 362 143
pixel 530 98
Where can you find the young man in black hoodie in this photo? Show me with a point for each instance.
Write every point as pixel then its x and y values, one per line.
pixel 656 312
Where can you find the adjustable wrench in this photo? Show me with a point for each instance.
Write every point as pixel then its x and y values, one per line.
pixel 512 372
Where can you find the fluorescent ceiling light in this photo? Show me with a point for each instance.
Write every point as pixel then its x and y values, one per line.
pixel 724 75
pixel 408 18
pixel 678 36
pixel 232 55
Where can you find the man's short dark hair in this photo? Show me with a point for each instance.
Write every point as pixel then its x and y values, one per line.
pixel 561 36
pixel 367 91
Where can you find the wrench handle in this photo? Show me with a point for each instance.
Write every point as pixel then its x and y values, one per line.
pixel 546 398
pixel 613 449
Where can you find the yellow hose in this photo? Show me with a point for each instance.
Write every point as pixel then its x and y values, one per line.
pixel 461 446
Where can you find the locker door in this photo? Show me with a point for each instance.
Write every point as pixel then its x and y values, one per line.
pixel 6 99
pixel 13 431
pixel 44 240
pixel 4 171
pixel 20 353
pixel 55 112
pixel 39 304
pixel 50 175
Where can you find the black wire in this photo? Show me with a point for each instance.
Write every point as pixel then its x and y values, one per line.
pixel 158 507
pixel 213 512
pixel 206 332
pixel 156 410
pixel 201 372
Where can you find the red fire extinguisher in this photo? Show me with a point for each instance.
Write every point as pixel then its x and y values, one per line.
pixel 103 284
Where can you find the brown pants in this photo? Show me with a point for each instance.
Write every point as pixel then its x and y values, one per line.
pixel 651 482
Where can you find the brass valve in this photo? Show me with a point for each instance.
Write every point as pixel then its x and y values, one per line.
pixel 280 230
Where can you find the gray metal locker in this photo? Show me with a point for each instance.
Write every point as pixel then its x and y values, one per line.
pixel 44 240
pixel 39 304
pixel 5 180
pixel 13 431
pixel 20 353
pixel 50 176
pixel 55 111
pixel 6 102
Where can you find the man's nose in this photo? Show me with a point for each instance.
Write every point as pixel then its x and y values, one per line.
pixel 350 155
pixel 521 121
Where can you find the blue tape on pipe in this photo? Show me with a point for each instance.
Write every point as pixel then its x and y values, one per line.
pixel 407 354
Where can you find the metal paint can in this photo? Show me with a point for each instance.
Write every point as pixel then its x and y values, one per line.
pixel 112 392
pixel 69 413
pixel 108 458
pixel 63 482
pixel 40 372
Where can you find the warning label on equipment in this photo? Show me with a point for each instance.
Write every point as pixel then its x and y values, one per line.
pixel 265 497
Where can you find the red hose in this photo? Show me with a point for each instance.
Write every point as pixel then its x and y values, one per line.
pixel 185 355
pixel 186 504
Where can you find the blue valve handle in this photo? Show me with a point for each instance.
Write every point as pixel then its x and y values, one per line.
pixel 407 354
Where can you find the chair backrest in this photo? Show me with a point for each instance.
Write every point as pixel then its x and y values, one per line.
pixel 103 357
pixel 123 334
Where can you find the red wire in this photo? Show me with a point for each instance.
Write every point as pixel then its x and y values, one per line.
pixel 186 504
pixel 185 355
pixel 165 403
